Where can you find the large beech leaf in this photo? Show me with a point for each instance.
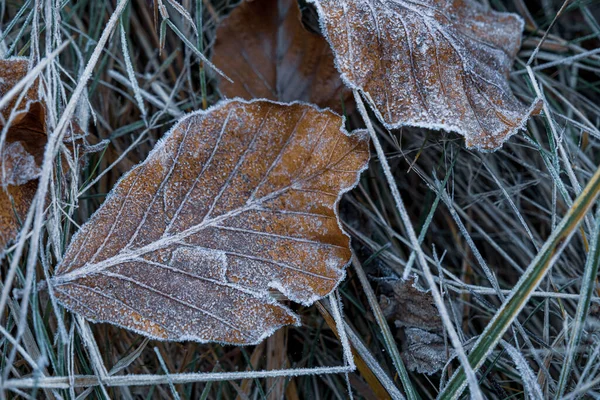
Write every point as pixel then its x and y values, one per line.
pixel 264 48
pixel 437 64
pixel 235 202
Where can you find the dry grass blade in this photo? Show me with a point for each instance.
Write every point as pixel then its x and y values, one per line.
pixel 411 393
pixel 367 373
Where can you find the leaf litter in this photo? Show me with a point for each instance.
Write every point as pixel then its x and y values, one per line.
pixel 265 48
pixel 420 327
pixel 22 148
pixel 433 64
pixel 235 201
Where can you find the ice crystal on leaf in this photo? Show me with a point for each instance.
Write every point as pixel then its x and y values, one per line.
pixel 264 48
pixel 234 202
pixel 435 64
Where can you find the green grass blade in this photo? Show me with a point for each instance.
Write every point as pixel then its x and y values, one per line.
pixel 523 290
pixel 587 289
pixel 390 342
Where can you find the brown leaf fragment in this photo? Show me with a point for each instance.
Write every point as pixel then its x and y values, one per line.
pixel 423 351
pixel 263 46
pixel 235 201
pixel 434 64
pixel 414 312
pixel 22 150
pixel 409 306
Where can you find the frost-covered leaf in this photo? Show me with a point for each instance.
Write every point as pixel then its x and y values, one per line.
pixel 235 202
pixel 421 329
pixel 18 166
pixel 409 306
pixel 264 48
pixel 433 63
pixel 22 151
pixel 423 351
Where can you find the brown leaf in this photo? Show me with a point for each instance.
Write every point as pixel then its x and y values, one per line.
pixel 424 352
pixel 420 326
pixel 434 63
pixel 264 48
pixel 411 307
pixel 23 149
pixel 234 202
pixel 22 152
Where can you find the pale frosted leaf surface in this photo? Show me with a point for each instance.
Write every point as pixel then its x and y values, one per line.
pixel 18 166
pixel 420 328
pixel 433 63
pixel 235 202
pixel 423 351
pixel 264 48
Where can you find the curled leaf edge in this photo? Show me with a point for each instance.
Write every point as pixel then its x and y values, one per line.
pixel 534 109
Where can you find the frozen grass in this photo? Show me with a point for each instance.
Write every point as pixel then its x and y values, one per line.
pixel 475 224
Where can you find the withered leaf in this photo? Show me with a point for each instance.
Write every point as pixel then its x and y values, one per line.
pixel 433 63
pixel 234 202
pixel 409 306
pixel 264 48
pixel 421 330
pixel 423 351
pixel 22 151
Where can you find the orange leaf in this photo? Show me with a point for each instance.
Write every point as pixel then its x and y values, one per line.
pixel 264 48
pixel 235 202
pixel 433 63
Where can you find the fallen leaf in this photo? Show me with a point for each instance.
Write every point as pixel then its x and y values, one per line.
pixel 424 352
pixel 263 46
pixel 421 331
pixel 22 152
pixel 409 306
pixel 434 64
pixel 234 202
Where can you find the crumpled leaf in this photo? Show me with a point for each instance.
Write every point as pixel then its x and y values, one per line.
pixel 235 202
pixel 423 351
pixel 414 312
pixel 434 63
pixel 264 48
pixel 22 152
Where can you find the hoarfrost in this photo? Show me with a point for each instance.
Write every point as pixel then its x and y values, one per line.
pixel 434 63
pixel 18 166
pixel 234 201
pixel 421 330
